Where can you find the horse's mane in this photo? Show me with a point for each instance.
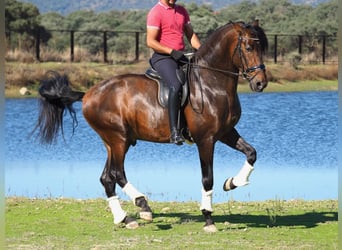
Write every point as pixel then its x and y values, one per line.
pixel 216 35
pixel 260 33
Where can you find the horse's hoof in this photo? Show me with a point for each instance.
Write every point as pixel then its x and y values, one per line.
pixel 210 229
pixel 147 216
pixel 132 225
pixel 228 184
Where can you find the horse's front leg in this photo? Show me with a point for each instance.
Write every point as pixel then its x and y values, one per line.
pixel 206 153
pixel 234 140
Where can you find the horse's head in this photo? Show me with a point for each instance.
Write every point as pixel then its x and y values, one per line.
pixel 248 54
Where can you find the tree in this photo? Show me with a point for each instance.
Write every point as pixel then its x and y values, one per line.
pixel 53 21
pixel 23 18
pixel 202 18
pixel 281 17
pixel 324 18
pixel 77 20
pixel 245 11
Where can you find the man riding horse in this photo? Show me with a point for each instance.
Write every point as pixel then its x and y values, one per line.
pixel 166 25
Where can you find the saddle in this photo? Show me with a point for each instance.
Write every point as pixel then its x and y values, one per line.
pixel 163 87
pixel 163 96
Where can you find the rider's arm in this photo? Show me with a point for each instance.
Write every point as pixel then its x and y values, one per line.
pixel 153 43
pixel 191 36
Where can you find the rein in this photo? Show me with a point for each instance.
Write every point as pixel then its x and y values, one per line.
pixel 214 69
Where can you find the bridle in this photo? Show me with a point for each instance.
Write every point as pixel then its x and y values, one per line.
pixel 246 71
pixel 192 63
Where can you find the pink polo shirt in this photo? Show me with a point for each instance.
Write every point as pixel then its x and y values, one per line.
pixel 170 22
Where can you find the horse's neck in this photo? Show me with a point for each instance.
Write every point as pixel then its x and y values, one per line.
pixel 211 78
pixel 216 52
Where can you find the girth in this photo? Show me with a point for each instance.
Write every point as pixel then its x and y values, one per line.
pixel 163 87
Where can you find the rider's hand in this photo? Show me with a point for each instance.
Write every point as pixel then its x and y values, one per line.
pixel 177 54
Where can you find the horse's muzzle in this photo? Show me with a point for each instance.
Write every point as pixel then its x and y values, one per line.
pixel 258 86
pixel 259 81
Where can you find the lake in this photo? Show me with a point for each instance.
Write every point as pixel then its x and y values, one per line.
pixel 295 135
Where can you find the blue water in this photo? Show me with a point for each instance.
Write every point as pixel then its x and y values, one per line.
pixel 295 135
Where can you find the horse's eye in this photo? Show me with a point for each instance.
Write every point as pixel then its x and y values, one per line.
pixel 249 48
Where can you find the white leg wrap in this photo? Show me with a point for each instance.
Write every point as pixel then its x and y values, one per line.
pixel 207 200
pixel 118 213
pixel 132 192
pixel 241 179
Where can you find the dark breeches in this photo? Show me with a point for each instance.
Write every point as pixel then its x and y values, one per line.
pixel 167 68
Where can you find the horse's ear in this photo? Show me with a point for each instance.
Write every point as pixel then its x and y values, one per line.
pixel 261 34
pixel 255 23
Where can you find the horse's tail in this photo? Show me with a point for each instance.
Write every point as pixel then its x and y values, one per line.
pixel 56 97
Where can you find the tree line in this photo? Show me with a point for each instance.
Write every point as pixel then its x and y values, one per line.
pixel 23 21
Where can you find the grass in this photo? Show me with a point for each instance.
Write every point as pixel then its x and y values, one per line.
pixel 83 75
pixel 88 224
pixel 298 86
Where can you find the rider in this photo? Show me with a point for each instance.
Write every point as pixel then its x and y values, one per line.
pixel 166 25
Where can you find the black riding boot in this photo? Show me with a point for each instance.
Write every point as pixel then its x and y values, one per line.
pixel 173 106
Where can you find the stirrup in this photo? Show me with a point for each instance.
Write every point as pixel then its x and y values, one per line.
pixel 176 138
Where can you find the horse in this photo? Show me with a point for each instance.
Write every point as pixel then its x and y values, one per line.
pixel 124 109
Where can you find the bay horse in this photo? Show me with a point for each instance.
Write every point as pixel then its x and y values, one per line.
pixel 124 109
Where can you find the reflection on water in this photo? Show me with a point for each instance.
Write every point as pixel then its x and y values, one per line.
pixel 295 136
pixel 179 182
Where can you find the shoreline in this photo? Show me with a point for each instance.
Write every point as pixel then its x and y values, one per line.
pixel 282 77
pixel 273 87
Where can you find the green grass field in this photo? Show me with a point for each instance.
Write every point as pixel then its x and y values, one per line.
pixel 300 86
pixel 88 224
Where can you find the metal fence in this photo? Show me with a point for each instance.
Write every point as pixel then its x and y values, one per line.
pixel 129 46
pixel 311 49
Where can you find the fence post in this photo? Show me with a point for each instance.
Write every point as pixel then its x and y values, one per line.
pixel 105 59
pixel 275 48
pixel 323 49
pixel 38 45
pixel 72 45
pixel 136 46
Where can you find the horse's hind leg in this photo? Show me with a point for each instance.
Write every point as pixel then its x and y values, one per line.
pixel 114 173
pixel 139 200
pixel 234 140
pixel 108 180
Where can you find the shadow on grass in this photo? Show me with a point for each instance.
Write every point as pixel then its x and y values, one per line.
pixel 306 220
